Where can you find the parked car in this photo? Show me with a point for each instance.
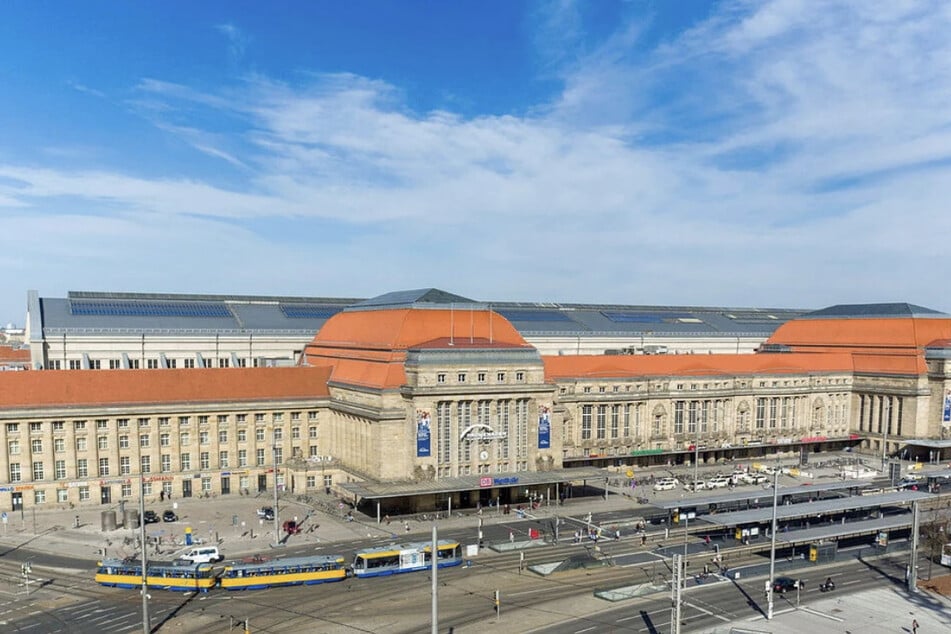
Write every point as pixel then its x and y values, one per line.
pixel 169 516
pixel 718 482
pixel 666 484
pixel 150 517
pixel 266 512
pixel 783 584
pixel 696 485
pixel 291 527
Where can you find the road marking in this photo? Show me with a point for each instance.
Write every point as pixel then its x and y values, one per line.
pixel 818 613
pixel 707 612
pixel 587 629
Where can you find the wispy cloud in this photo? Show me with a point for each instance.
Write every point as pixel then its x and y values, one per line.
pixel 237 40
pixel 772 154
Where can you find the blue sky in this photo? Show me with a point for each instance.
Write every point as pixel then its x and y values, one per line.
pixel 767 153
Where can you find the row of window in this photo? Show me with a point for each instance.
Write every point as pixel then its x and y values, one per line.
pixel 480 377
pixel 163 421
pixel 157 363
pixel 262 457
pixel 602 389
pixel 145 440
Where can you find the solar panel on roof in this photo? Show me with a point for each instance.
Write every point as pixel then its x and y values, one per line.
pixel 149 309
pixel 533 315
pixel 309 312
pixel 632 318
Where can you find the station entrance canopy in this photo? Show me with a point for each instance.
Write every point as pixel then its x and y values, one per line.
pixel 367 491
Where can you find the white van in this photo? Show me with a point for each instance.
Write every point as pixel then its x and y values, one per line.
pixel 202 555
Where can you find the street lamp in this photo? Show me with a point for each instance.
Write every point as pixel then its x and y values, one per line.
pixel 772 549
pixel 146 623
pixel 277 535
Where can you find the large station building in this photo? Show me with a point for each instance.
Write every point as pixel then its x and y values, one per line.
pixel 415 398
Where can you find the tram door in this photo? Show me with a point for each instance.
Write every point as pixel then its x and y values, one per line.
pixel 186 488
pixel 105 495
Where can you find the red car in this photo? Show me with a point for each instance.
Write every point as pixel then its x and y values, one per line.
pixel 291 527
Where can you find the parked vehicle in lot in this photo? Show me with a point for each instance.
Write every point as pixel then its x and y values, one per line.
pixel 718 482
pixel 150 517
pixel 291 527
pixel 696 485
pixel 784 584
pixel 169 516
pixel 666 484
pixel 754 478
pixel 266 512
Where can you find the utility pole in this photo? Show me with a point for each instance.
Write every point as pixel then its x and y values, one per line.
pixel 277 533
pixel 913 564
pixel 676 591
pixel 772 549
pixel 146 624
pixel 435 586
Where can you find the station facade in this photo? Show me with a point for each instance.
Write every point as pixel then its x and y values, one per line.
pixel 410 398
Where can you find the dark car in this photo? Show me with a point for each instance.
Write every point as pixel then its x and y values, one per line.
pixel 291 527
pixel 150 517
pixel 782 584
pixel 169 516
pixel 266 512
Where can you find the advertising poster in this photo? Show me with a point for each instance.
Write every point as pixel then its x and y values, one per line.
pixel 544 427
pixel 422 434
pixel 947 406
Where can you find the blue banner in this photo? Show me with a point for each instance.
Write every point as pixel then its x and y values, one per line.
pixel 947 407
pixel 544 428
pixel 422 434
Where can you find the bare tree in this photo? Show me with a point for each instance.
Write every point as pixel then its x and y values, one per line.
pixel 934 535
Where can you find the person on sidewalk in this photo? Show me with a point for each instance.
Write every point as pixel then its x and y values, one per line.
pixel 914 626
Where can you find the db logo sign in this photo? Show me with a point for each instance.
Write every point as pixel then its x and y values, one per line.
pixel 485 482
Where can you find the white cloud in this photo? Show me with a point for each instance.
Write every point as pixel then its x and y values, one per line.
pixel 776 154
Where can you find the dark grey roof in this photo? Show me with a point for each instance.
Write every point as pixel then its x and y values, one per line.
pixel 873 311
pixel 178 314
pixel 418 298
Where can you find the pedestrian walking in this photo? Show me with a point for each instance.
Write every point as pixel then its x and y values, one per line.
pixel 914 626
pixel 511 537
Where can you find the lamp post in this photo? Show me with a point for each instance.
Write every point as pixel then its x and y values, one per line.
pixel 277 534
pixel 146 623
pixel 772 549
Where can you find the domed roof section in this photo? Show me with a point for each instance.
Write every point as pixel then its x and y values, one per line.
pixel 406 319
pixel 882 328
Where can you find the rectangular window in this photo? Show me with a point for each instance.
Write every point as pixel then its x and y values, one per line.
pixel 123 442
pixel 122 423
pixel 295 433
pixel 760 413
pixel 278 433
pixel 259 434
pixel 184 439
pixel 166 463
pixel 312 415
pixel 615 420
pixel 58 425
pixel 312 432
pixel 59 469
pixel 241 418
pixel 461 377
pixel 36 445
pixel 79 424
pixel 242 457
pixel 144 440
pixel 39 496
pixel 183 421
pixel 15 472
pixel 13 428
pixel 480 377
pixel 260 457
pixel 222 419
pixel 443 433
pixel 62 495
pixel 164 421
pixel 223 459
pixel 222 437
pixel 678 417
pixel 203 438
pixel 84 494
pixel 13 447
pixel 125 465
pixel 243 435
pixel 165 440
pixel 259 417
pixel 144 422
pixel 204 460
pixel 586 422
pixel 146 462
pixel 38 472
pixel 102 442
pixel 203 420
pixel 602 421
pixel 186 461
pixel 82 468
pixel 500 377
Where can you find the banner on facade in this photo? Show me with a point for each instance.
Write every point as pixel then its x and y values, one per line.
pixel 544 427
pixel 422 434
pixel 947 406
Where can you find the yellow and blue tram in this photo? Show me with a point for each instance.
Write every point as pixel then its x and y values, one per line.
pixel 292 571
pixel 399 558
pixel 125 573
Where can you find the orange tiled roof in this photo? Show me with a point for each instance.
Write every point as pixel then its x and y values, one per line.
pixel 403 328
pixel 138 387
pixel 881 335
pixel 9 354
pixel 621 366
pixel 368 348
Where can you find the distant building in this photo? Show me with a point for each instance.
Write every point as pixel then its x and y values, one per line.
pixel 410 397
